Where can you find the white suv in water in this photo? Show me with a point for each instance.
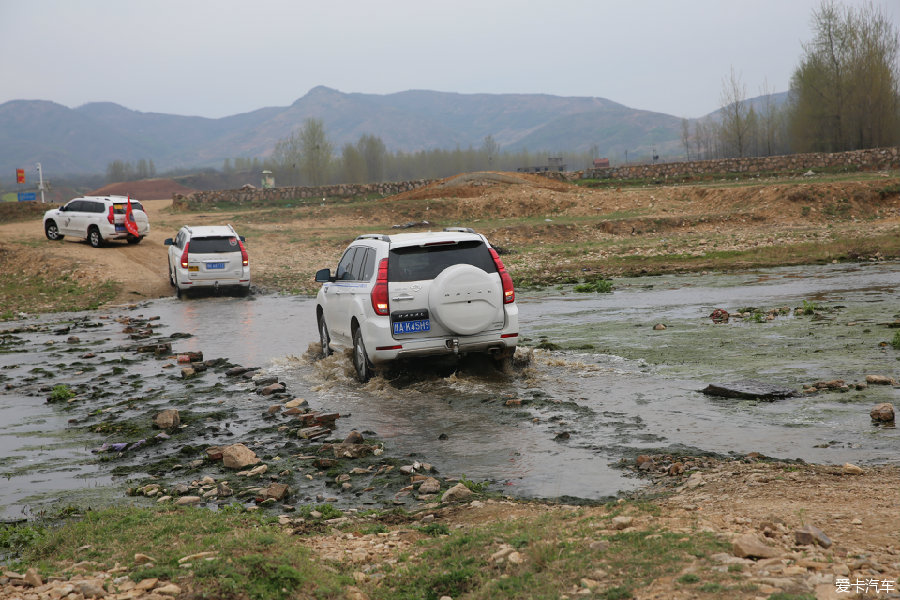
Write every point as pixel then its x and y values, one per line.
pixel 417 294
pixel 97 218
pixel 208 256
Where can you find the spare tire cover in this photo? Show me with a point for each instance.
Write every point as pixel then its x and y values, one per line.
pixel 466 299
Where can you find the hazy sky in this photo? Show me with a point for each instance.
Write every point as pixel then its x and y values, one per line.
pixel 215 58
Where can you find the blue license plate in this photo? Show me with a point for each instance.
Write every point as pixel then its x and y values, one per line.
pixel 211 266
pixel 401 327
pixel 119 228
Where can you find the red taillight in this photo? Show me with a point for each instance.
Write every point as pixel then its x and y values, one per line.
pixel 509 292
pixel 111 217
pixel 245 258
pixel 380 291
pixel 184 258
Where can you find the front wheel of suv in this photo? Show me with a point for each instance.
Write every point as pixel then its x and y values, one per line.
pixel 52 231
pixel 94 237
pixel 361 362
pixel 325 339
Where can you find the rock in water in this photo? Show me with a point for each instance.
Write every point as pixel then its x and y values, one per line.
pixel 750 390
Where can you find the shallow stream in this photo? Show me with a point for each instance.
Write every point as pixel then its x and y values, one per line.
pixel 610 387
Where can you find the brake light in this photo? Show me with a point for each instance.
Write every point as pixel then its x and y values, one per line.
pixel 509 292
pixel 245 258
pixel 184 257
pixel 111 216
pixel 380 291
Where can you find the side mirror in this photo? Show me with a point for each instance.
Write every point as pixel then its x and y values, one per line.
pixel 62 207
pixel 168 242
pixel 323 276
pixel 243 239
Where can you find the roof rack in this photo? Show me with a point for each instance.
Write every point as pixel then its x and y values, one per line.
pixel 375 236
pixel 460 229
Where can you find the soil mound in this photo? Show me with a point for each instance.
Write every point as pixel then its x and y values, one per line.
pixel 472 185
pixel 145 189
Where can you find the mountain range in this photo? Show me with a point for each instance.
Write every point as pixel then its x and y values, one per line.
pixel 86 139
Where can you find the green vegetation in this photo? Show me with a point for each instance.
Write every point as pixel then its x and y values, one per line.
pixel 598 286
pixel 61 393
pixel 896 341
pixel 36 293
pixel 255 558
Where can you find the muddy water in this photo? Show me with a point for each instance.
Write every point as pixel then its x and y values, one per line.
pixel 613 388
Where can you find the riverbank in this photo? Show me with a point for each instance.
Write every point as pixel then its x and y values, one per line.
pixel 550 232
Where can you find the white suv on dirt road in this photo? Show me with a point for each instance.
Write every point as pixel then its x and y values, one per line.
pixel 417 294
pixel 97 219
pixel 208 256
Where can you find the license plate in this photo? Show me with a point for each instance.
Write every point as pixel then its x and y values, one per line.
pixel 401 327
pixel 193 268
pixel 211 266
pixel 119 228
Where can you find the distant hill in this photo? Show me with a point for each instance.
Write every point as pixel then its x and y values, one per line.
pixel 86 139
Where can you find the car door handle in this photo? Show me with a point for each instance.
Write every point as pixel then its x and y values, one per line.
pixel 403 297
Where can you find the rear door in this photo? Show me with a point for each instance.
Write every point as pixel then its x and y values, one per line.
pixel 443 289
pixel 215 258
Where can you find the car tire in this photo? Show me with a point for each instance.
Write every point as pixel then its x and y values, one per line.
pixel 171 276
pixel 132 239
pixel 179 293
pixel 325 338
pixel 94 237
pixel 465 299
pixel 51 230
pixel 361 362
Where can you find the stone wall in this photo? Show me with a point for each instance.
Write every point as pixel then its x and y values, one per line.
pixel 857 160
pixel 250 195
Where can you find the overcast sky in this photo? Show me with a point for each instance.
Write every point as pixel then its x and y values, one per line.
pixel 215 58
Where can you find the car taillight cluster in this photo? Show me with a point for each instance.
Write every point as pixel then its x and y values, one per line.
pixel 245 258
pixel 509 293
pixel 380 291
pixel 184 256
pixel 111 217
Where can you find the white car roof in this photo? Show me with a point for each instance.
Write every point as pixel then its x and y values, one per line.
pixel 211 231
pixel 425 237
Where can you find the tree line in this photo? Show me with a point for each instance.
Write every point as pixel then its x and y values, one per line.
pixel 844 95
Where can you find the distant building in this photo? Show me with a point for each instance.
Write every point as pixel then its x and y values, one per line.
pixel 601 163
pixel 554 163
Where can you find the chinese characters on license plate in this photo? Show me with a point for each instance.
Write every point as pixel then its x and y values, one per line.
pixel 401 327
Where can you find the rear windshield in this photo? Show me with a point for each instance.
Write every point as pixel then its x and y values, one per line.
pixel 415 263
pixel 121 207
pixel 213 245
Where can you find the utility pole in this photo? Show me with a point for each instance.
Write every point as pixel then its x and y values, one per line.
pixel 40 181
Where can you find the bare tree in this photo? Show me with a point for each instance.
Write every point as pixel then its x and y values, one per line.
pixel 735 112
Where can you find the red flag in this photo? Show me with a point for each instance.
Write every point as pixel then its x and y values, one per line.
pixel 130 225
pixel 20 175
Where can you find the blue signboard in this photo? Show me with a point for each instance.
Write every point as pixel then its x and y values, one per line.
pixel 27 197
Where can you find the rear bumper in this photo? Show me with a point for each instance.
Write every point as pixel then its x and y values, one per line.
pixel 382 347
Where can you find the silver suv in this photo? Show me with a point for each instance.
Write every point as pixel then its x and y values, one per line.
pixel 97 218
pixel 208 256
pixel 417 294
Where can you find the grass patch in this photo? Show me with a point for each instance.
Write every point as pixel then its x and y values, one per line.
pixel 599 286
pixel 60 393
pixel 254 557
pixel 555 553
pixel 36 293
pixel 896 341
